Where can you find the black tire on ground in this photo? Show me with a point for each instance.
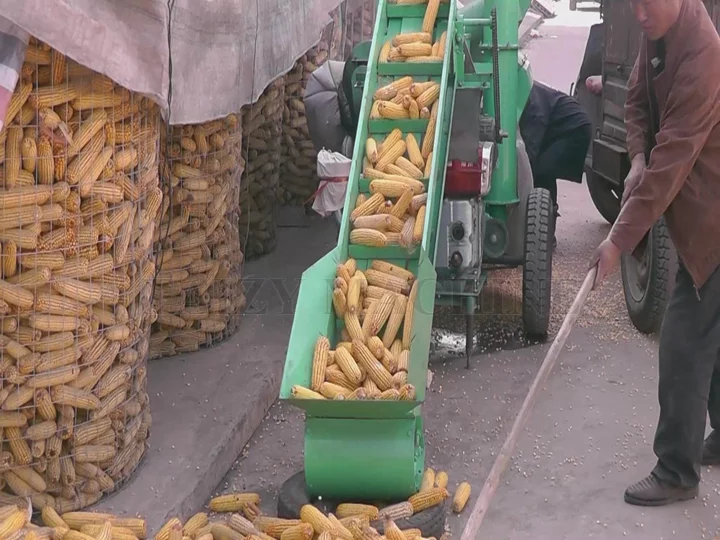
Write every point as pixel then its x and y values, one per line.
pixel 537 266
pixel 605 197
pixel 293 496
pixel 648 284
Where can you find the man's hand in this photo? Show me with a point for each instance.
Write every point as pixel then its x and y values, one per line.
pixel 607 259
pixel 633 178
pixel 594 84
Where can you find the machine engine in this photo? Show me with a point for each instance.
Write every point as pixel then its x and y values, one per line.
pixel 460 237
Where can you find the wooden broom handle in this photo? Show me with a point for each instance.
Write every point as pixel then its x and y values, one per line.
pixel 493 480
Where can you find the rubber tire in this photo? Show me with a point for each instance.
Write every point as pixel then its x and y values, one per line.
pixel 537 266
pixel 293 496
pixel 648 313
pixel 602 197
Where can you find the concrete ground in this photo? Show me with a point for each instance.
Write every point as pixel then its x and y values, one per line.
pixel 591 431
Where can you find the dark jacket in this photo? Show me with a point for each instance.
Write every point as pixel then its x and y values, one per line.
pixel 682 179
pixel 550 115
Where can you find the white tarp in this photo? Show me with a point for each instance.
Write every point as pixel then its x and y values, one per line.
pixel 224 52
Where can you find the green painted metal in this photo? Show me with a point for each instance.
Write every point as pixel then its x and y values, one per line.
pixel 369 450
pixel 392 456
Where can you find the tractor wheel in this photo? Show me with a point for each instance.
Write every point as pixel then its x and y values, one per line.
pixel 293 496
pixel 605 197
pixel 537 267
pixel 648 282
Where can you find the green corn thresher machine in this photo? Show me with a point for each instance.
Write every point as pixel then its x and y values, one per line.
pixel 488 214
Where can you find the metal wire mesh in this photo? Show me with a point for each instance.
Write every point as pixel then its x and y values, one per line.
pixel 299 174
pixel 262 151
pixel 198 293
pixel 78 211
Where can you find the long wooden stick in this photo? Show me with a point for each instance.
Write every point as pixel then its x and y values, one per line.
pixel 493 480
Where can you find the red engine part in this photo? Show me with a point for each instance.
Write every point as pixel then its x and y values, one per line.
pixel 468 179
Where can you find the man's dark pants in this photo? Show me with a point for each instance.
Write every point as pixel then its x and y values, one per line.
pixel 689 384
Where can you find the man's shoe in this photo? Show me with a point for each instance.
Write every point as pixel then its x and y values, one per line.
pixel 711 450
pixel 651 491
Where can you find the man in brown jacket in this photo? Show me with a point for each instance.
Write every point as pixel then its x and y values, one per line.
pixel 673 121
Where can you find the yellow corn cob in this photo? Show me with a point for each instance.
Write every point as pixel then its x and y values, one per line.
pixel 415 49
pixel 82 291
pixel 427 499
pixel 300 392
pixel 352 325
pixel 411 37
pixel 393 137
pixel 430 59
pixel 429 138
pixel 15 294
pixel 13 156
pixel 96 100
pixel 435 49
pixel 339 303
pixel 18 99
pixel 395 56
pixel 409 314
pixel 391 530
pixel 302 531
pixel 430 15
pixel 413 151
pixel 339 530
pixel 368 207
pixel 322 346
pixel 441 44
pixel 368 237
pixel 395 186
pixel 351 509
pixel 336 376
pixel 461 497
pixel 45 164
pixel 353 295
pixel 441 479
pixel 407 391
pixel 232 502
pixel 348 366
pixel 375 370
pixel 375 111
pixel 390 153
pixel 389 91
pixel 28 151
pixel 387 281
pixel 392 111
pixel 428 165
pixel 87 130
pixel 419 225
pixel 371 151
pixel 342 271
pixel 414 110
pixel 13 523
pixel 394 323
pixel 428 480
pixel 334 391
pixel 410 169
pixel 382 313
pixel 395 512
pixel 384 52
pixel 319 521
pixel 429 96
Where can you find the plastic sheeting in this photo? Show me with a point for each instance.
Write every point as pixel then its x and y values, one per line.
pixel 234 47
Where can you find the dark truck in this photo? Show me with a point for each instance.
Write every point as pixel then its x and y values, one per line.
pixel 612 47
